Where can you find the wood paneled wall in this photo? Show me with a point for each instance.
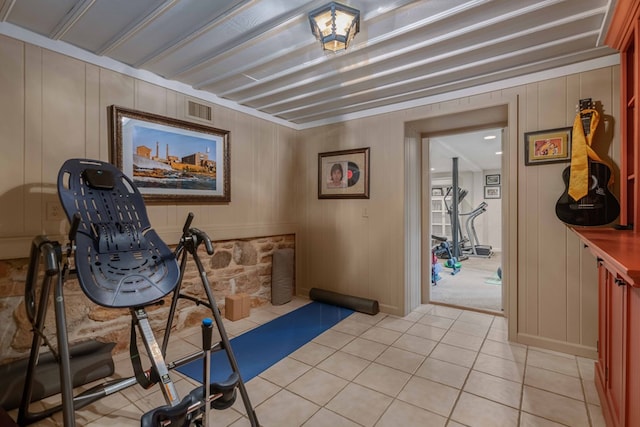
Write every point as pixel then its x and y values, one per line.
pixel 552 289
pixel 356 246
pixel 54 107
pixel 557 278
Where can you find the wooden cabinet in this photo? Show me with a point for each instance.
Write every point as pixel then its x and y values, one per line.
pixel 617 376
pixel 600 368
pixel 611 345
pixel 632 363
pixel 624 35
pixel 628 125
pixel 618 365
pixel 618 251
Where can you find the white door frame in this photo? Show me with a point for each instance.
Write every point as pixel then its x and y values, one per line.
pixel 415 178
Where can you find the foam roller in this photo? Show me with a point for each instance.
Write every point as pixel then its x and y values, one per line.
pixel 363 305
pixel 90 361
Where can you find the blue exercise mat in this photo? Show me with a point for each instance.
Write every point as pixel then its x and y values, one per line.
pixel 262 347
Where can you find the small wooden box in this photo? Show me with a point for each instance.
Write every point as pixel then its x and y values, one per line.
pixel 237 306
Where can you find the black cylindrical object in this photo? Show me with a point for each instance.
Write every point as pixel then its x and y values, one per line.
pixel 362 305
pixel 207 329
pixel 455 219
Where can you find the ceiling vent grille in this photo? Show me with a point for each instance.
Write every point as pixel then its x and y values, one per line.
pixel 198 111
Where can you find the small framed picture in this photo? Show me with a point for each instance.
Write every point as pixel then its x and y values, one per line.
pixel 344 174
pixel 492 179
pixel 436 191
pixel 547 146
pixel 491 192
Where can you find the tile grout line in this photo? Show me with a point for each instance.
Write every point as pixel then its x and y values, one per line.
pixel 457 320
pixel 470 370
pixel 524 374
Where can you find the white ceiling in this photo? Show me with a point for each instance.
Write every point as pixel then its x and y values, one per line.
pixel 260 54
pixel 473 151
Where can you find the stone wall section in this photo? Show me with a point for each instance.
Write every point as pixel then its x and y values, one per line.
pixel 236 266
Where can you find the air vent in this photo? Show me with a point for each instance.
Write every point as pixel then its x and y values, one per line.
pixel 198 111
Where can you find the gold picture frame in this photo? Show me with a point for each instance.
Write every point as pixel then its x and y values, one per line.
pixel 547 146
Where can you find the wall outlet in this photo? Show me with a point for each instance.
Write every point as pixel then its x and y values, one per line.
pixel 54 212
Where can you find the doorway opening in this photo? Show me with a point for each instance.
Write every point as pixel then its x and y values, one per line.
pixel 466 218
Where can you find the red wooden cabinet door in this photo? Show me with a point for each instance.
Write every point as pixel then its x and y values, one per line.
pixel 616 348
pixel 633 357
pixel 602 324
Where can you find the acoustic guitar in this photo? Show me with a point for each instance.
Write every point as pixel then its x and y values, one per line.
pixel 599 206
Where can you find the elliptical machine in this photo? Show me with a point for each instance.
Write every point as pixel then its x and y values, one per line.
pixel 445 249
pixel 455 219
pixel 476 249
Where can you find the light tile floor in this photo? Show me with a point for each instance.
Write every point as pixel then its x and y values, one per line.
pixel 438 366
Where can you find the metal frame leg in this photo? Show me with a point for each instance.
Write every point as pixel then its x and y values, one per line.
pixel 153 350
pixel 51 252
pixel 189 243
pixel 63 353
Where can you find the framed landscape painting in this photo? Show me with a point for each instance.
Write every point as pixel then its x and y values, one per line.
pixel 170 159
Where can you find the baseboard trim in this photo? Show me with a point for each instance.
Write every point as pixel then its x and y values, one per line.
pixel 555 345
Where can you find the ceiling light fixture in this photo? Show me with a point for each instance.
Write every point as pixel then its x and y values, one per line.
pixel 334 25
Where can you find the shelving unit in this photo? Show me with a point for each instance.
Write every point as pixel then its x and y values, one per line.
pixel 440 220
pixel 624 35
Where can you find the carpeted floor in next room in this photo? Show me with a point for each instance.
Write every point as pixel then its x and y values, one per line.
pixel 476 285
pixel 436 367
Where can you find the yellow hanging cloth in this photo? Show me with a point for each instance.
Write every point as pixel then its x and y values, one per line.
pixel 580 152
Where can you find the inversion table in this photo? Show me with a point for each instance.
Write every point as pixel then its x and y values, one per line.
pixel 121 262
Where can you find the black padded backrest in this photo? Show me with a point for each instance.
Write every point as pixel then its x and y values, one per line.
pixel 120 260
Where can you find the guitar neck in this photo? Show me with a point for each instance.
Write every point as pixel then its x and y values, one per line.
pixel 586 104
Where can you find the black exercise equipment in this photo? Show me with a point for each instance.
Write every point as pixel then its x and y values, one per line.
pixel 451 251
pixel 454 221
pixel 90 361
pixel 456 194
pixel 363 305
pixel 443 250
pixel 475 248
pixel 121 262
pixel 454 210
pixel 469 245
